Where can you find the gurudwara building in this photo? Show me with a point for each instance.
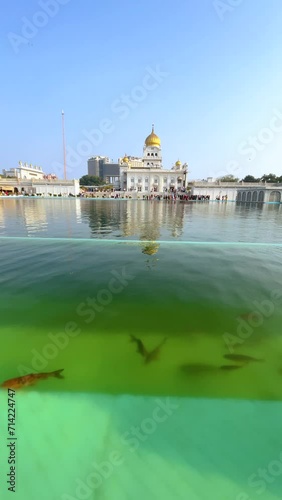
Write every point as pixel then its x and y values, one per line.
pixel 146 174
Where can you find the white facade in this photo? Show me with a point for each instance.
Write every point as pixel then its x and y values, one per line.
pixel 40 187
pixel 133 161
pixel 149 176
pixel 152 153
pixel 259 193
pixel 149 180
pixel 245 192
pixel 216 190
pixel 63 188
pixel 25 171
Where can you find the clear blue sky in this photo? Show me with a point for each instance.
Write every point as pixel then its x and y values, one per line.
pixel 221 82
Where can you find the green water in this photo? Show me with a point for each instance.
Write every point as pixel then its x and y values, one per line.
pixel 102 273
pixel 60 312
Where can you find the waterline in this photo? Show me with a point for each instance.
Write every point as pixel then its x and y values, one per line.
pixel 138 242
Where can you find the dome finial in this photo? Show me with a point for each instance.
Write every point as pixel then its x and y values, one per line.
pixel 153 139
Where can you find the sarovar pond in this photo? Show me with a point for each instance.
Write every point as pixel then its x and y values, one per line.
pixel 140 315
pixel 159 326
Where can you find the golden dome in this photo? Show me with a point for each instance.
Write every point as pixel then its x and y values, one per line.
pixel 152 139
pixel 178 163
pixel 125 159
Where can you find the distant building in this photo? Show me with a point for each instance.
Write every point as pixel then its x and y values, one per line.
pixel 146 175
pixel 111 174
pixel 25 171
pixel 102 166
pixel 50 177
pixel 95 166
pixel 134 161
pixel 40 187
pixel 250 192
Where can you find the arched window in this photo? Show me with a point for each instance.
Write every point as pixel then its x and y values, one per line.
pixel 148 163
pixel 152 154
pixel 275 197
pixel 255 196
pixel 146 179
pixel 132 179
pixel 249 196
pixel 139 180
pixel 165 179
pixel 261 196
pixel 244 194
pixel 148 154
pixel 156 154
pixel 239 196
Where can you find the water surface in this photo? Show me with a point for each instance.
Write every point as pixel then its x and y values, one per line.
pixel 192 274
pixel 78 279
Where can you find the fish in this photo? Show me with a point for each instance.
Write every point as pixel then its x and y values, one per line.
pixel 30 379
pixel 147 355
pixel 198 368
pixel 230 367
pixel 155 353
pixel 141 349
pixel 241 357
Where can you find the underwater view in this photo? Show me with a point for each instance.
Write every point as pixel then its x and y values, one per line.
pixel 159 326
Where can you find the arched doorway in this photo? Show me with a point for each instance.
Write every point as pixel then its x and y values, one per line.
pixel 261 196
pixel 255 196
pixel 275 197
pixel 249 196
pixel 244 194
pixel 239 196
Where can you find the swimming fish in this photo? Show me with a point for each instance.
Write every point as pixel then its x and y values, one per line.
pixel 141 349
pixel 241 357
pixel 198 368
pixel 155 353
pixel 30 379
pixel 147 355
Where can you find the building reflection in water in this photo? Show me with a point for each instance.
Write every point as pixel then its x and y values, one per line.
pixel 149 222
pixel 142 220
pixel 2 216
pixel 34 216
pixel 146 221
pixel 150 248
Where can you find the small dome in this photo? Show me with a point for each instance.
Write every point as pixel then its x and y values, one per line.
pixel 125 160
pixel 152 139
pixel 178 163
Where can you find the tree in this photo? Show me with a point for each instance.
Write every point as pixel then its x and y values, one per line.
pixel 91 180
pixel 228 178
pixel 269 178
pixel 250 178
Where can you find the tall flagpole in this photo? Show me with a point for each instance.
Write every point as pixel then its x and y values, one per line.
pixel 64 145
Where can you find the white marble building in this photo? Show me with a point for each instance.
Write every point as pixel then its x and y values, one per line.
pixel 242 191
pixel 25 171
pixel 42 187
pixel 146 175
